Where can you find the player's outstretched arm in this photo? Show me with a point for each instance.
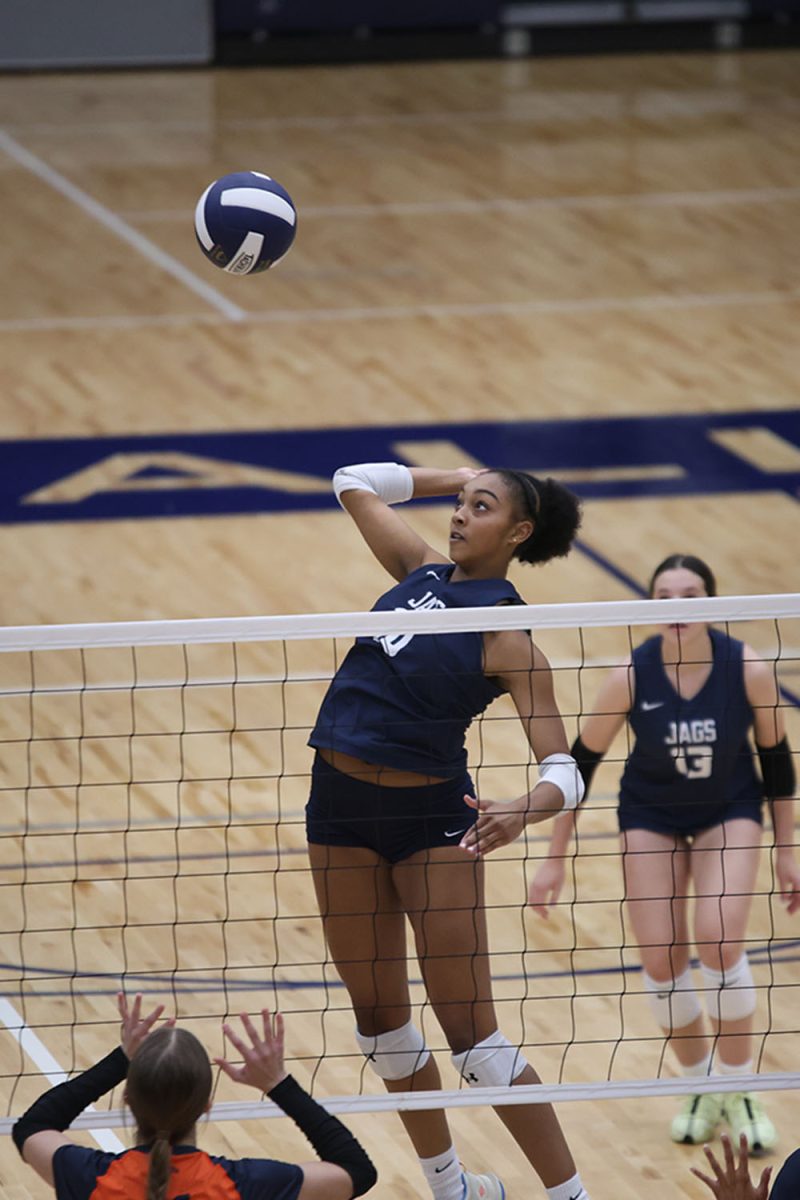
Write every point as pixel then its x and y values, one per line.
pixel 777 770
pixel 598 731
pixel 524 672
pixel 346 1170
pixel 39 1132
pixel 368 490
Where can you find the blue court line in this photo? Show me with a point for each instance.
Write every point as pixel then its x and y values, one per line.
pixel 170 980
pixel 610 568
pixel 243 855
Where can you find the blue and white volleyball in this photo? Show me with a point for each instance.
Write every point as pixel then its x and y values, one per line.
pixel 245 222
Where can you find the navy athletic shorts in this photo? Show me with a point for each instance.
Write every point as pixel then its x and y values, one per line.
pixel 395 822
pixel 686 823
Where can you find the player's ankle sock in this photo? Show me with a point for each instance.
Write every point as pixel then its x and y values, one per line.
pixel 571 1189
pixel 698 1070
pixel 745 1068
pixel 444 1175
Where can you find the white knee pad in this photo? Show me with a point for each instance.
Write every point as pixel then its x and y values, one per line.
pixel 398 1054
pixel 730 994
pixel 494 1062
pixel 673 1001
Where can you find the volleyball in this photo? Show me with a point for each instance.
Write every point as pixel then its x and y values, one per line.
pixel 245 222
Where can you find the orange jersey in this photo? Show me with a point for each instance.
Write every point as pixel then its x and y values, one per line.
pixel 84 1174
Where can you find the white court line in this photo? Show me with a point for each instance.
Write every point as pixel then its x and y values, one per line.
pixel 38 1053
pixel 503 204
pixel 119 227
pixel 509 308
pixel 573 109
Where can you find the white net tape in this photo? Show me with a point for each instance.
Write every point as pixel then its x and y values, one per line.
pixel 154 775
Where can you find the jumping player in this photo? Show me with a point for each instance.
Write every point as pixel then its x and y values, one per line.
pixel 168 1084
pixel 387 810
pixel 690 809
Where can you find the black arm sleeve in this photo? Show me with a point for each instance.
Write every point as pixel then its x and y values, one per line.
pixel 588 761
pixel 329 1137
pixel 777 770
pixel 59 1107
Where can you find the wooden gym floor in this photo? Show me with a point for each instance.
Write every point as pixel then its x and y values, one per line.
pixel 478 243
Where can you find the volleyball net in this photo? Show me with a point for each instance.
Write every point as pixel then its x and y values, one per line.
pixel 153 779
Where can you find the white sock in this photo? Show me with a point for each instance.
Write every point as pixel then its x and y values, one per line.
pixel 745 1068
pixel 698 1070
pixel 572 1189
pixel 444 1175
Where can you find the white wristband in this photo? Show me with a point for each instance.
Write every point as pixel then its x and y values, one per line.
pixel 391 482
pixel 562 771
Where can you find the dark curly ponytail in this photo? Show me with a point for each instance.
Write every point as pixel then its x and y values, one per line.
pixel 554 510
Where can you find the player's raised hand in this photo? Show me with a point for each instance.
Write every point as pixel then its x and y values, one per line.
pixel 498 824
pixel 732 1181
pixel 262 1065
pixel 546 886
pixel 135 1027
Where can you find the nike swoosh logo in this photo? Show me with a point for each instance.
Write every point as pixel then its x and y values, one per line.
pixel 455 832
pixel 435 574
pixel 438 1170
pixel 649 705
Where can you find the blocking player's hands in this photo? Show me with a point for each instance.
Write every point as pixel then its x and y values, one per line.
pixel 262 1067
pixel 498 823
pixel 732 1181
pixel 546 886
pixel 135 1027
pixel 788 874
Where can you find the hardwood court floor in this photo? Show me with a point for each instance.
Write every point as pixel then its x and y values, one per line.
pixel 482 242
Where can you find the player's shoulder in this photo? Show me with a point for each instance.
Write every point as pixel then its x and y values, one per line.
pixel 757 669
pixel 79 1171
pixel 254 1177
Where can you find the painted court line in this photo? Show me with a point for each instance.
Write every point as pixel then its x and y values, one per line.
pixel 503 204
pixel 560 108
pixel 500 308
pixel 119 227
pixel 38 1053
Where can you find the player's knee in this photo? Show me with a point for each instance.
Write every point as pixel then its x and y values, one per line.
pixel 398 1054
pixel 730 993
pixel 674 1002
pixel 494 1062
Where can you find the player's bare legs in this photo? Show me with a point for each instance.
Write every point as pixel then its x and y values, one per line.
pixel 366 934
pixel 443 895
pixel 724 868
pixel 657 870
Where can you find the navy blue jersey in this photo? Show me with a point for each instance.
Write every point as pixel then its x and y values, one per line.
pixel 83 1174
pixel 406 700
pixel 692 757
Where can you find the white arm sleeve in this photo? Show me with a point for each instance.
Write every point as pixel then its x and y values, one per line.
pixel 562 771
pixel 392 482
